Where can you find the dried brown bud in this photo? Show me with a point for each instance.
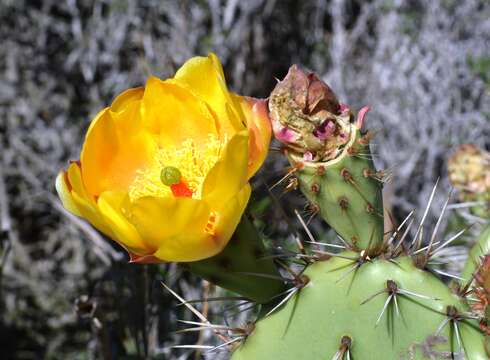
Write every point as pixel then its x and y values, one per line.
pixel 469 172
pixel 481 292
pixel 310 93
pixel 308 118
pixel 482 276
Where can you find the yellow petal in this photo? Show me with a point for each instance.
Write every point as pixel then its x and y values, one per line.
pixel 173 226
pixel 76 200
pixel 195 244
pixel 123 100
pixel 229 215
pixel 110 204
pixel 205 78
pixel 91 213
pixel 257 119
pixel 229 174
pixel 174 114
pixel 75 182
pixel 64 192
pixel 116 146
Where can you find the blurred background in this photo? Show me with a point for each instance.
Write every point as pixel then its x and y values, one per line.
pixel 67 293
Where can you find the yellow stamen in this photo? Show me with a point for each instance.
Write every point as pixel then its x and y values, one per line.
pixel 192 161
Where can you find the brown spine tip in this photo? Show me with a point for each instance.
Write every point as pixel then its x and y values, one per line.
pixel 320 170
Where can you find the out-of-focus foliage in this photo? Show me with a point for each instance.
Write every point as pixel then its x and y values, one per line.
pixel 423 67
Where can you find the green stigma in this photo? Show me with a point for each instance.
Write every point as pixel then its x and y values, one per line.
pixel 170 175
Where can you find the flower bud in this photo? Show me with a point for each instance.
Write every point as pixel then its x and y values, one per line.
pixel 308 118
pixel 469 172
pixel 469 169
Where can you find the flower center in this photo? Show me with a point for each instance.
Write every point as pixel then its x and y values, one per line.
pixel 177 171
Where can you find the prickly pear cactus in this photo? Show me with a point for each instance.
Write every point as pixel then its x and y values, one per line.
pixel 382 310
pixel 380 298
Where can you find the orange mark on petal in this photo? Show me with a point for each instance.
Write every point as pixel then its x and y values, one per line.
pixel 67 181
pixel 210 226
pixel 181 190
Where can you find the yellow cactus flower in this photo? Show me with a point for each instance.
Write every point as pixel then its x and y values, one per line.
pixel 164 170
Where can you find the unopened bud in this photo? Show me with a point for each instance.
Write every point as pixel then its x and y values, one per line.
pixel 307 116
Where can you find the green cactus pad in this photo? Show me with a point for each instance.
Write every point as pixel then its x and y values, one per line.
pixel 316 322
pixel 348 195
